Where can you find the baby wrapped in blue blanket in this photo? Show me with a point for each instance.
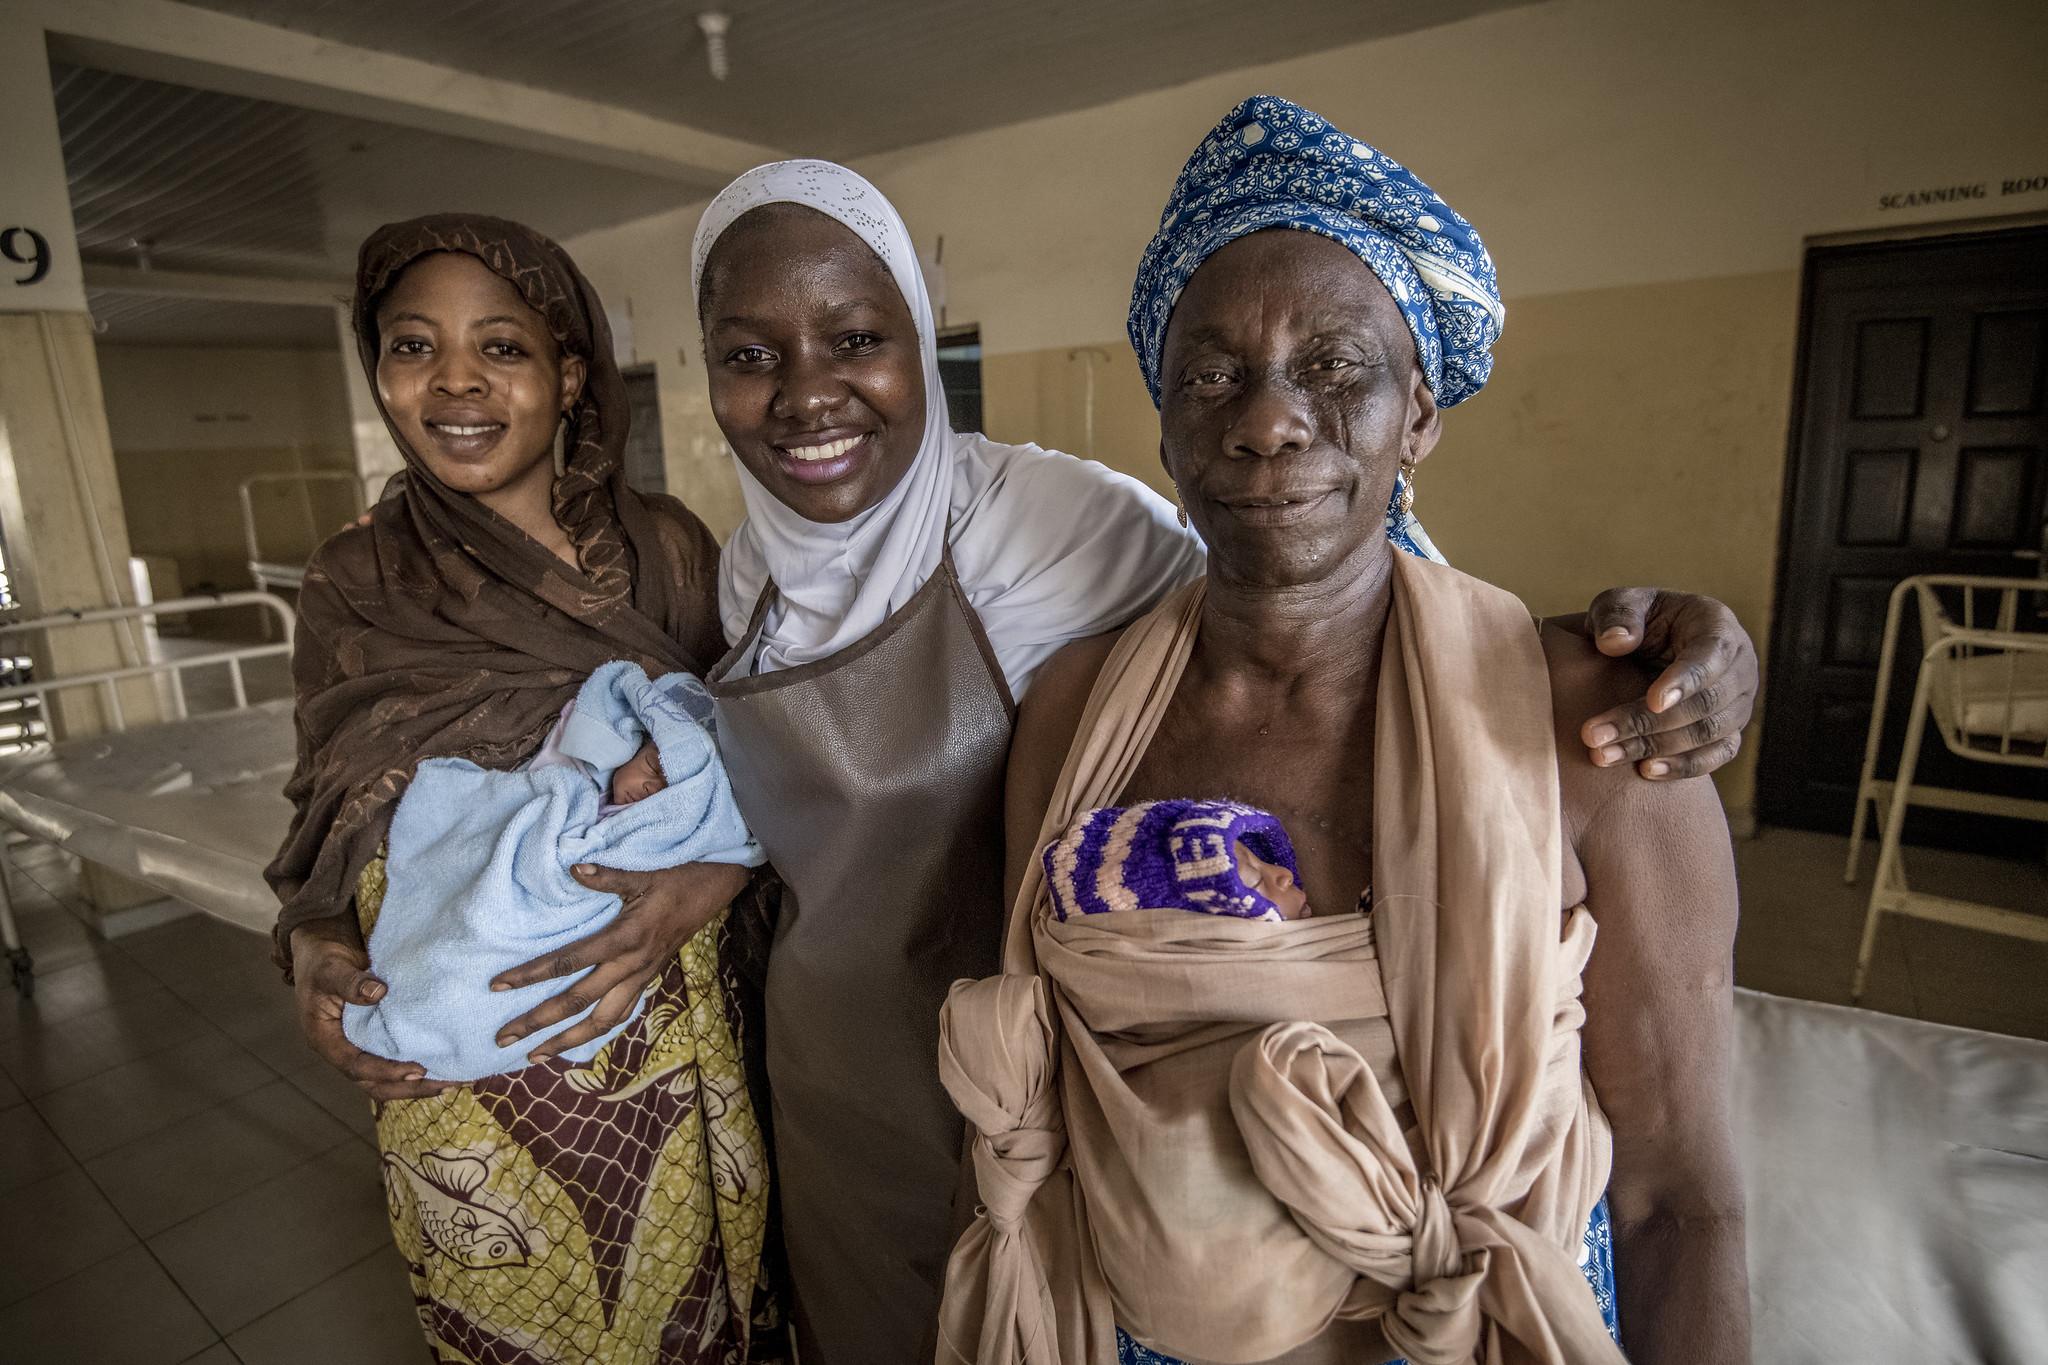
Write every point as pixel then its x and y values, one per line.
pixel 477 869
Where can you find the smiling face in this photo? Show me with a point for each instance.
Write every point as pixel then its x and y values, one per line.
pixel 816 376
pixel 1290 394
pixel 471 376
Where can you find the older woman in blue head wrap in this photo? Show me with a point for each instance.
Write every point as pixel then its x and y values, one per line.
pixel 1416 1129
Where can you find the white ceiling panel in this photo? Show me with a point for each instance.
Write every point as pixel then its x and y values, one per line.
pixel 195 180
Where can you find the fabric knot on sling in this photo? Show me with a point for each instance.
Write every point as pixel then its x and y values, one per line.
pixel 1271 1129
pixel 996 1061
pixel 1325 1142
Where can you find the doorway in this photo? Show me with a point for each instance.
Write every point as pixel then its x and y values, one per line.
pixel 646 468
pixel 960 371
pixel 1920 445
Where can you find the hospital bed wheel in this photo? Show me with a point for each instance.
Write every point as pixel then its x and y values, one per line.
pixel 23 969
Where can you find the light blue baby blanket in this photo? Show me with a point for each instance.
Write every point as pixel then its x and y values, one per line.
pixel 478 870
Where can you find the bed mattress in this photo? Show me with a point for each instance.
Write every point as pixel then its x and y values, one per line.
pixel 1898 1187
pixel 194 808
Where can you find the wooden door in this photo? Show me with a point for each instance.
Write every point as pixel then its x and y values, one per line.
pixel 1919 439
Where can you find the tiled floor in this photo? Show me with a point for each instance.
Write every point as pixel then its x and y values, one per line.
pixel 1801 925
pixel 180 1179
pixel 183 1181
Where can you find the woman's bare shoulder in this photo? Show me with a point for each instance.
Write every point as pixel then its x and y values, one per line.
pixel 1584 682
pixel 1046 722
pixel 1051 709
pixel 1615 820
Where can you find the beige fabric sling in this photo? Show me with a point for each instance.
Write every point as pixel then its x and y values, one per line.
pixel 1196 1127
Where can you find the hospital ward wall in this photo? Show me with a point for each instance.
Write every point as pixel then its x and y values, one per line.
pixel 1647 176
pixel 190 423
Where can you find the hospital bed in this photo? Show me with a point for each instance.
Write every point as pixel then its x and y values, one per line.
pixel 191 805
pixel 266 567
pixel 1897 1177
pixel 1983 684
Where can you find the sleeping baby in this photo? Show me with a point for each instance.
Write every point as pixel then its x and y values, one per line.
pixel 478 870
pixel 1212 857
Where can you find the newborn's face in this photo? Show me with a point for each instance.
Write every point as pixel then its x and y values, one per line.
pixel 639 777
pixel 1272 881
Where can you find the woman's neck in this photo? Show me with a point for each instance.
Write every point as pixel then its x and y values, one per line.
pixel 529 503
pixel 1324 636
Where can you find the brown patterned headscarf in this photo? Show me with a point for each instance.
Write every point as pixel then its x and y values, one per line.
pixel 443 630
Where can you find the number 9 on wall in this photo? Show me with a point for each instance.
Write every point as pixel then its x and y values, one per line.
pixel 24 246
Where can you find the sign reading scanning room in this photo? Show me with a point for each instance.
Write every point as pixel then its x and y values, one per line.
pixel 1963 194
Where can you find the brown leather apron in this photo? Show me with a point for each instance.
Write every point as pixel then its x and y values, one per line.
pixel 874 780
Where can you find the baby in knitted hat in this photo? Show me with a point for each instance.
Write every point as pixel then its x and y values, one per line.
pixel 1212 857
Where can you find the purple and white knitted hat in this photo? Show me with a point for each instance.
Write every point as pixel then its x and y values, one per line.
pixel 1177 855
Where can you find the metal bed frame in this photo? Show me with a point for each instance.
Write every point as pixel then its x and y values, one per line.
pixel 1978 666
pixel 106 683
pixel 272 573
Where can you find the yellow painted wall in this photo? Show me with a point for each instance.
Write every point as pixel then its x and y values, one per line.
pixel 190 423
pixel 642 270
pixel 1647 174
pixel 1629 435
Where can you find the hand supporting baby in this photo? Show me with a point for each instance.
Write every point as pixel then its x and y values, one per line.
pixel 330 969
pixel 662 911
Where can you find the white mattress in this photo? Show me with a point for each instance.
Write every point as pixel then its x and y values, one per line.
pixel 2000 694
pixel 195 808
pixel 1898 1187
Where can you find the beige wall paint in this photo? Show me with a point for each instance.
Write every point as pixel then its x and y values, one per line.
pixel 1633 434
pixel 1046 397
pixel 642 270
pixel 1629 435
pixel 1646 173
pixel 189 424
pixel 1595 143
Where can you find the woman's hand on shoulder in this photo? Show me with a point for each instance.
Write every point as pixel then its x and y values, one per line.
pixel 1689 721
pixel 330 969
pixel 661 912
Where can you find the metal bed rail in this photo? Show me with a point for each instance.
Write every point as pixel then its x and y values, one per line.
pixel 1982 667
pixel 267 570
pixel 105 683
pixel 173 668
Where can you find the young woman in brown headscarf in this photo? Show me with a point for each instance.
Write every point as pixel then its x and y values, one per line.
pixel 613 1211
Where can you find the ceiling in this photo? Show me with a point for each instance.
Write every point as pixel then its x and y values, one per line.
pixel 838 78
pixel 182 179
pixel 214 182
pixel 125 319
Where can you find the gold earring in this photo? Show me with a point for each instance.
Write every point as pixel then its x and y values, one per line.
pixel 1407 489
pixel 1180 510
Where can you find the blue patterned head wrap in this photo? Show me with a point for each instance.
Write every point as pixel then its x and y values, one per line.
pixel 1271 163
pixel 1164 855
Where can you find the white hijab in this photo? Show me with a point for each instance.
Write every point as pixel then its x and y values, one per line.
pixel 1048 548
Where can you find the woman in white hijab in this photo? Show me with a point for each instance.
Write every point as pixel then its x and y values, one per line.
pixel 1047 548
pixel 891 593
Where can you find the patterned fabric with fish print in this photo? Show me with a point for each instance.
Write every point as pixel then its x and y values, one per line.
pixel 614 1212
